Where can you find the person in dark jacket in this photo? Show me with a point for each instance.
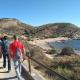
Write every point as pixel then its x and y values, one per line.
pixel 5 52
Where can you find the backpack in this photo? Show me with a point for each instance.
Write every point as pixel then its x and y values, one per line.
pixel 18 54
pixel 5 47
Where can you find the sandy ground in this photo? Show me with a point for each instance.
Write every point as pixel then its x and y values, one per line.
pixel 44 42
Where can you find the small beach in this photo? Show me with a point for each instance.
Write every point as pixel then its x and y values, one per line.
pixel 44 42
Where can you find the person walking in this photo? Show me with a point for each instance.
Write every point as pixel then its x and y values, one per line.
pixel 5 43
pixel 17 50
pixel 0 46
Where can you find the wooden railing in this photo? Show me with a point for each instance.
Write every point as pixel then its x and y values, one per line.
pixel 42 65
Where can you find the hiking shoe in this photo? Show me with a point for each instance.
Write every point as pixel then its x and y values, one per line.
pixel 8 70
pixel 4 66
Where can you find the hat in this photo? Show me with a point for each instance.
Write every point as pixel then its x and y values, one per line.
pixel 5 37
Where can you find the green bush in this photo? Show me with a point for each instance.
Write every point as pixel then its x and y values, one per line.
pixel 67 51
pixel 54 36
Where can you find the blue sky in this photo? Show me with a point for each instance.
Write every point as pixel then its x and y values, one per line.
pixel 39 12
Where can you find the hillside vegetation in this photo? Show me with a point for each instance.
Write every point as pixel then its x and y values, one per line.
pixel 57 29
pixel 12 25
pixel 65 65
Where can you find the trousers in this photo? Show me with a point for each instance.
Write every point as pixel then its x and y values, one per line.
pixel 6 57
pixel 18 68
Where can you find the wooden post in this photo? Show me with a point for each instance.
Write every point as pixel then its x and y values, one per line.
pixel 29 60
pixel 29 63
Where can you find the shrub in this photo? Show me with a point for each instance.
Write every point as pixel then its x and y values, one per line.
pixel 54 36
pixel 67 51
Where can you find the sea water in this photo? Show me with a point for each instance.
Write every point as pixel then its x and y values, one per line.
pixel 75 44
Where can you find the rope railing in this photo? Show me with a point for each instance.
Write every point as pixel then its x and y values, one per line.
pixel 52 71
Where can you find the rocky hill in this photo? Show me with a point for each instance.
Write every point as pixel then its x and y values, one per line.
pixel 57 29
pixel 13 26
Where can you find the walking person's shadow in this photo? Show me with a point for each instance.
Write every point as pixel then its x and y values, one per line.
pixel 3 71
pixel 1 67
pixel 14 77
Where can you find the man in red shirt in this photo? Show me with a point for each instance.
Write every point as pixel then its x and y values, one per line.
pixel 17 61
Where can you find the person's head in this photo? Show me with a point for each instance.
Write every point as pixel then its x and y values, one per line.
pixel 15 37
pixel 5 38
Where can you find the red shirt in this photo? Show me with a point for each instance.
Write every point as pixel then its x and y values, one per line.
pixel 14 45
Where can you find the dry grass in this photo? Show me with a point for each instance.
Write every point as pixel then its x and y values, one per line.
pixel 68 66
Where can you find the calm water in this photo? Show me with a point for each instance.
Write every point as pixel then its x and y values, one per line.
pixel 75 44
